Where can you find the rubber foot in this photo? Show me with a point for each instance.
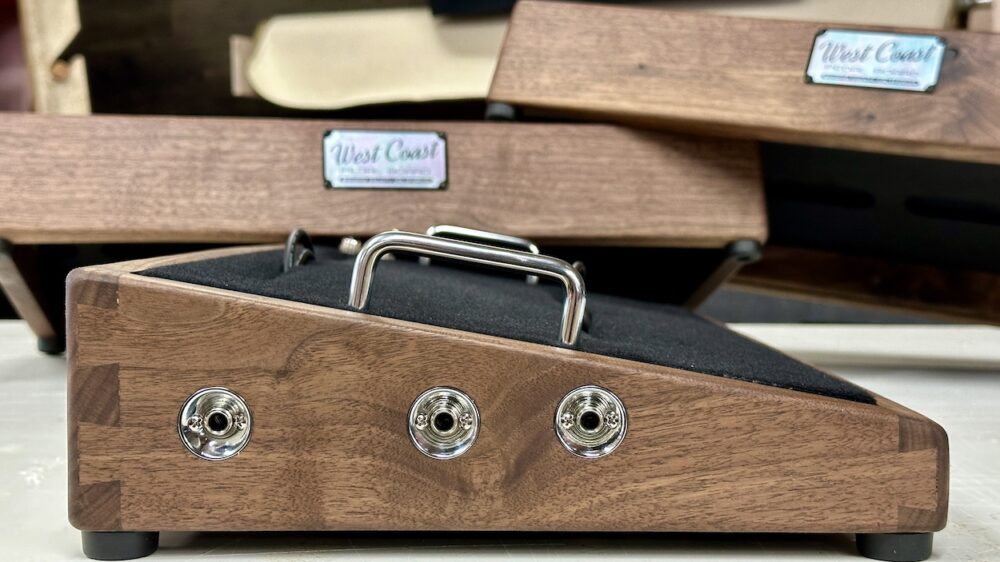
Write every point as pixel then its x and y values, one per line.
pixel 497 111
pixel 117 545
pixel 896 547
pixel 52 346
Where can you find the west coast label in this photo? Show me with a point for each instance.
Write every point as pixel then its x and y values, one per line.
pixel 370 159
pixel 868 59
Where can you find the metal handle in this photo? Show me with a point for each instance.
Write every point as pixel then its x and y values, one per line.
pixel 369 254
pixel 483 237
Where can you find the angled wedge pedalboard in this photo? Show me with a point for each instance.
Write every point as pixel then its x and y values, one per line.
pixel 311 388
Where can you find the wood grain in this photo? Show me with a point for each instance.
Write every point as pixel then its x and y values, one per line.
pixel 329 390
pixel 154 179
pixel 740 78
pixel 971 296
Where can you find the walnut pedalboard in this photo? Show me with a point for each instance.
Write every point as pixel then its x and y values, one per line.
pixel 911 92
pixel 882 190
pixel 80 191
pixel 443 395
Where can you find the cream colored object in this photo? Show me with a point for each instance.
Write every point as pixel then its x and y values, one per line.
pixel 931 14
pixel 240 48
pixel 344 59
pixel 48 26
pixel 983 17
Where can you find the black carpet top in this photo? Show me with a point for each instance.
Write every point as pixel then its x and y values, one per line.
pixel 508 307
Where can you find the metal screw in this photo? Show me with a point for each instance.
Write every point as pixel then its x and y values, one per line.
pixel 349 246
pixel 421 421
pixel 465 420
pixel 567 420
pixel 196 424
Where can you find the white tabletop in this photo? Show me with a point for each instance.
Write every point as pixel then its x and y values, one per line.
pixel 34 526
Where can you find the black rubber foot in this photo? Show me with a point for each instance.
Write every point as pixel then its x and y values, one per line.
pixel 100 545
pixel 52 346
pixel 896 547
pixel 497 111
pixel 744 251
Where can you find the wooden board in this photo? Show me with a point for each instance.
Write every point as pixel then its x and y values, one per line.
pixel 329 391
pixel 155 179
pixel 740 78
pixel 963 295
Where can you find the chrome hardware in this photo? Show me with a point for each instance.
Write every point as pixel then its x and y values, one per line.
pixel 591 421
pixel 349 246
pixel 298 250
pixel 574 304
pixel 214 424
pixel 443 422
pixel 483 237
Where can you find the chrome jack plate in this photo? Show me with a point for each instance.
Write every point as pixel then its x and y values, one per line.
pixel 215 424
pixel 443 422
pixel 591 421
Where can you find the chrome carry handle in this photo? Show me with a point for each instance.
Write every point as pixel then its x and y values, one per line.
pixel 482 237
pixel 368 257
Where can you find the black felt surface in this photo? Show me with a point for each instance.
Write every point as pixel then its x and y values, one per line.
pixel 508 307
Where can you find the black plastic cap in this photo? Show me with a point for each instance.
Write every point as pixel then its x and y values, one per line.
pixel 101 545
pixel 896 547
pixel 52 346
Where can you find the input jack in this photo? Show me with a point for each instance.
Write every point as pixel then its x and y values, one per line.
pixel 443 422
pixel 591 421
pixel 214 424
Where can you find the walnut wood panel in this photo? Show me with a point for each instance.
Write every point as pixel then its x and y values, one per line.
pixel 329 391
pixel 952 294
pixel 739 77
pixel 131 179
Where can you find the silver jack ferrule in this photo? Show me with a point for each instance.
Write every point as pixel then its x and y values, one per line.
pixel 214 424
pixel 443 422
pixel 591 421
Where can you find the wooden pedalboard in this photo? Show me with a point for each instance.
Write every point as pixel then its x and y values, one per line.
pixel 740 77
pixel 330 389
pixel 112 181
pixel 103 179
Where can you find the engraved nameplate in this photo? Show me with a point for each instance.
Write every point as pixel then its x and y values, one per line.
pixel 371 159
pixel 867 59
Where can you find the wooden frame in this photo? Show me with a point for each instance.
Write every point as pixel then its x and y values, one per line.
pixel 329 390
pixel 48 27
pixel 741 78
pixel 23 298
